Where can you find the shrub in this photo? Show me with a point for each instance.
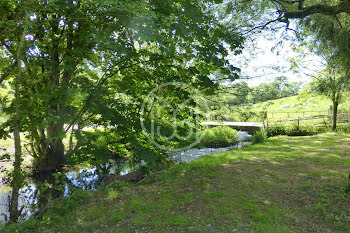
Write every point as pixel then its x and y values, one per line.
pixel 294 130
pixel 259 137
pixel 219 136
pixel 306 130
pixel 275 131
pixel 344 128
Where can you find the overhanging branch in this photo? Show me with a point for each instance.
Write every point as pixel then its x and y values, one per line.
pixel 342 7
pixel 103 79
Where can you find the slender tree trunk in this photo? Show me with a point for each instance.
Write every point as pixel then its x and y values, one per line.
pixel 335 114
pixel 17 179
pixel 335 100
pixel 17 176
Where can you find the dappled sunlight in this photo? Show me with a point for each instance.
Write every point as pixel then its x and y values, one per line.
pixel 281 148
pixel 302 174
pixel 275 162
pixel 227 165
pixel 263 183
pixel 318 142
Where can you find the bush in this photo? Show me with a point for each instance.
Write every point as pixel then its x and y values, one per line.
pixel 344 128
pixel 275 131
pixel 220 136
pixel 307 130
pixel 294 130
pixel 259 137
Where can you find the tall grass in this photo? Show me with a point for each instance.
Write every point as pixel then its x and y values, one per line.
pixel 220 136
pixel 259 137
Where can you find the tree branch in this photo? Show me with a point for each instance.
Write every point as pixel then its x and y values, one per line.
pixel 103 79
pixel 342 7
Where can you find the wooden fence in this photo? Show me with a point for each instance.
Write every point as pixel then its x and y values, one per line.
pixel 274 115
pixel 343 117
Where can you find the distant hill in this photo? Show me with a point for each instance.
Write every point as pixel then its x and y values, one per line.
pixel 297 106
pixel 288 107
pixel 294 104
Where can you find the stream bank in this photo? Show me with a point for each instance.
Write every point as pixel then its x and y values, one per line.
pixel 91 178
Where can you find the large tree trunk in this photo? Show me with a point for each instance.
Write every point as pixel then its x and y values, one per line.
pixel 55 153
pixel 52 159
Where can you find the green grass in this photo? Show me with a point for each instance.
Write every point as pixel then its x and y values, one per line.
pixel 274 111
pixel 287 184
pixel 316 105
pixel 275 105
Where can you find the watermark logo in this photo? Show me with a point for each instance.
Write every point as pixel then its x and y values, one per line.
pixel 166 120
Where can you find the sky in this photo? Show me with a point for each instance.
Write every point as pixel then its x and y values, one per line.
pixel 261 63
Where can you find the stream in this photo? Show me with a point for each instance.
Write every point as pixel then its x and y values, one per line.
pixel 90 179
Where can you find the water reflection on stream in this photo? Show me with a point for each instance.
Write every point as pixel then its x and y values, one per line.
pixel 84 179
pixel 90 178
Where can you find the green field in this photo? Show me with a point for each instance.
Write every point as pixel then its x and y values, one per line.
pixel 316 104
pixel 313 106
pixel 293 107
pixel 303 108
pixel 287 184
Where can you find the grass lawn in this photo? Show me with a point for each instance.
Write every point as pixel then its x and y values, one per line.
pixel 317 103
pixel 287 184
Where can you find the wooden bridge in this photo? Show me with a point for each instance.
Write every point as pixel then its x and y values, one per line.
pixel 243 126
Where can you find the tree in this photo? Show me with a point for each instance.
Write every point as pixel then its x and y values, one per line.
pixel 333 83
pixel 287 10
pixel 300 9
pixel 325 26
pixel 279 88
pixel 77 55
pixel 17 177
pixel 330 40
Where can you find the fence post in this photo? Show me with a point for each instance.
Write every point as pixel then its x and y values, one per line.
pixel 298 122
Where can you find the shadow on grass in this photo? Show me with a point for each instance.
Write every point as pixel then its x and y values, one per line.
pixel 288 184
